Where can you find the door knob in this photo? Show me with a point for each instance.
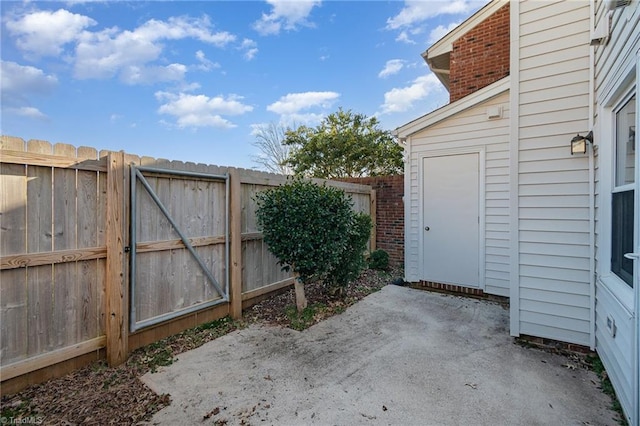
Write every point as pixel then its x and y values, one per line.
pixel 426 228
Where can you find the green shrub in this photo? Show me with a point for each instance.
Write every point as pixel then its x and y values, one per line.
pixel 305 226
pixel 379 259
pixel 352 262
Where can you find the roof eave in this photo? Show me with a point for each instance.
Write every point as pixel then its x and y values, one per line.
pixel 441 49
pixel 439 65
pixel 469 101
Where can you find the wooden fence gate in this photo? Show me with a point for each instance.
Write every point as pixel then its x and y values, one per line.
pixel 179 233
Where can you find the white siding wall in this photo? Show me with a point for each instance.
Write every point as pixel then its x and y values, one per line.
pixel 553 190
pixel 469 128
pixel 616 353
pixel 612 63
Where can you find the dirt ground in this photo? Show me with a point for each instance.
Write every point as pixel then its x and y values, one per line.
pixel 100 395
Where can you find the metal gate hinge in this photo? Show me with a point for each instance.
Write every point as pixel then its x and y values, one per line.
pixel 127 249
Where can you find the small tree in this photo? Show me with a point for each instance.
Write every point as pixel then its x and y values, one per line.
pixel 309 228
pixel 343 145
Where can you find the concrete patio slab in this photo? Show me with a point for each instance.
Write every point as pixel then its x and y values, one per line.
pixel 398 357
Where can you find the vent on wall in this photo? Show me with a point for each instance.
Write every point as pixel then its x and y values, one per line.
pixel 615 4
pixel 600 34
pixel 494 112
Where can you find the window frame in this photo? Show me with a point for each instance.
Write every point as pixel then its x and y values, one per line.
pixel 630 98
pixel 623 292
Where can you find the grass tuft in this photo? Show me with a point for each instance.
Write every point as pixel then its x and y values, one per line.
pixel 306 318
pixel 595 363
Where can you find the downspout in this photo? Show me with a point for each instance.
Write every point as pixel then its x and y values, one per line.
pixel 406 200
pixel 514 143
pixel 592 230
pixel 592 195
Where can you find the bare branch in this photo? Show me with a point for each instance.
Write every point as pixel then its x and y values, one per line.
pixel 273 153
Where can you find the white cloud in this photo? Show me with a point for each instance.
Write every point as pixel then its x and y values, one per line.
pixel 26 111
pixel 266 27
pixel 250 48
pixel 187 87
pixel 201 110
pixel 285 14
pixel 153 74
pixel 135 56
pixel 105 54
pixel 415 12
pixel 293 103
pixel 402 99
pixel 440 31
pixel 415 18
pixel 44 33
pixel 18 79
pixel 113 52
pixel 392 66
pixel 177 28
pixel 205 64
pixel 404 38
pixel 307 119
pixel 250 54
pixel 76 2
pixel 18 83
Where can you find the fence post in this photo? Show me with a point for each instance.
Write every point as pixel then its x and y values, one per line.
pixel 115 286
pixel 374 219
pixel 235 212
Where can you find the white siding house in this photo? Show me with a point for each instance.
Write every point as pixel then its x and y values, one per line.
pixel 553 228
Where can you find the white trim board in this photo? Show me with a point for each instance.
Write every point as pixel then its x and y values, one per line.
pixel 514 166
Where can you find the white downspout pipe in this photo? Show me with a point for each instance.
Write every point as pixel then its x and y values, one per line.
pixel 592 195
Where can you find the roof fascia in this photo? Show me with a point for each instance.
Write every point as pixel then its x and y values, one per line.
pixel 445 44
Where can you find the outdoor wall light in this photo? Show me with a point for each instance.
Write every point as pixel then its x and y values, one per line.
pixel 579 143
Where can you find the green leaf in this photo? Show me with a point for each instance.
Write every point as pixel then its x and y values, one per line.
pixel 344 144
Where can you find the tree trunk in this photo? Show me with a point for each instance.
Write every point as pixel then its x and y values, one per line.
pixel 301 299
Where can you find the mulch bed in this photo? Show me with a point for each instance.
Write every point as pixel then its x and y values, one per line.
pixel 102 395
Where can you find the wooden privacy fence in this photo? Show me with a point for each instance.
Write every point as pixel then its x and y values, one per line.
pixel 104 252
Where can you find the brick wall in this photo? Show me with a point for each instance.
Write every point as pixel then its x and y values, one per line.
pixel 389 213
pixel 481 56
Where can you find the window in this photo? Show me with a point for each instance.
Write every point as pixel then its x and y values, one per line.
pixel 622 197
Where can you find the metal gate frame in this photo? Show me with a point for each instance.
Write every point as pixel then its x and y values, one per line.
pixel 137 175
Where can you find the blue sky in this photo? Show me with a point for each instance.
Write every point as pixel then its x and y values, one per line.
pixel 190 81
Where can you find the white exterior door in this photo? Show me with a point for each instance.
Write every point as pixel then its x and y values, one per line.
pixel 451 219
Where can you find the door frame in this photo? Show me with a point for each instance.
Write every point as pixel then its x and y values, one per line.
pixel 635 415
pixel 481 151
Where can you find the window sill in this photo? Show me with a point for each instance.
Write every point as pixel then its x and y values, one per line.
pixel 622 292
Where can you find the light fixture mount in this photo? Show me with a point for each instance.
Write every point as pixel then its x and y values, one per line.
pixel 579 143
